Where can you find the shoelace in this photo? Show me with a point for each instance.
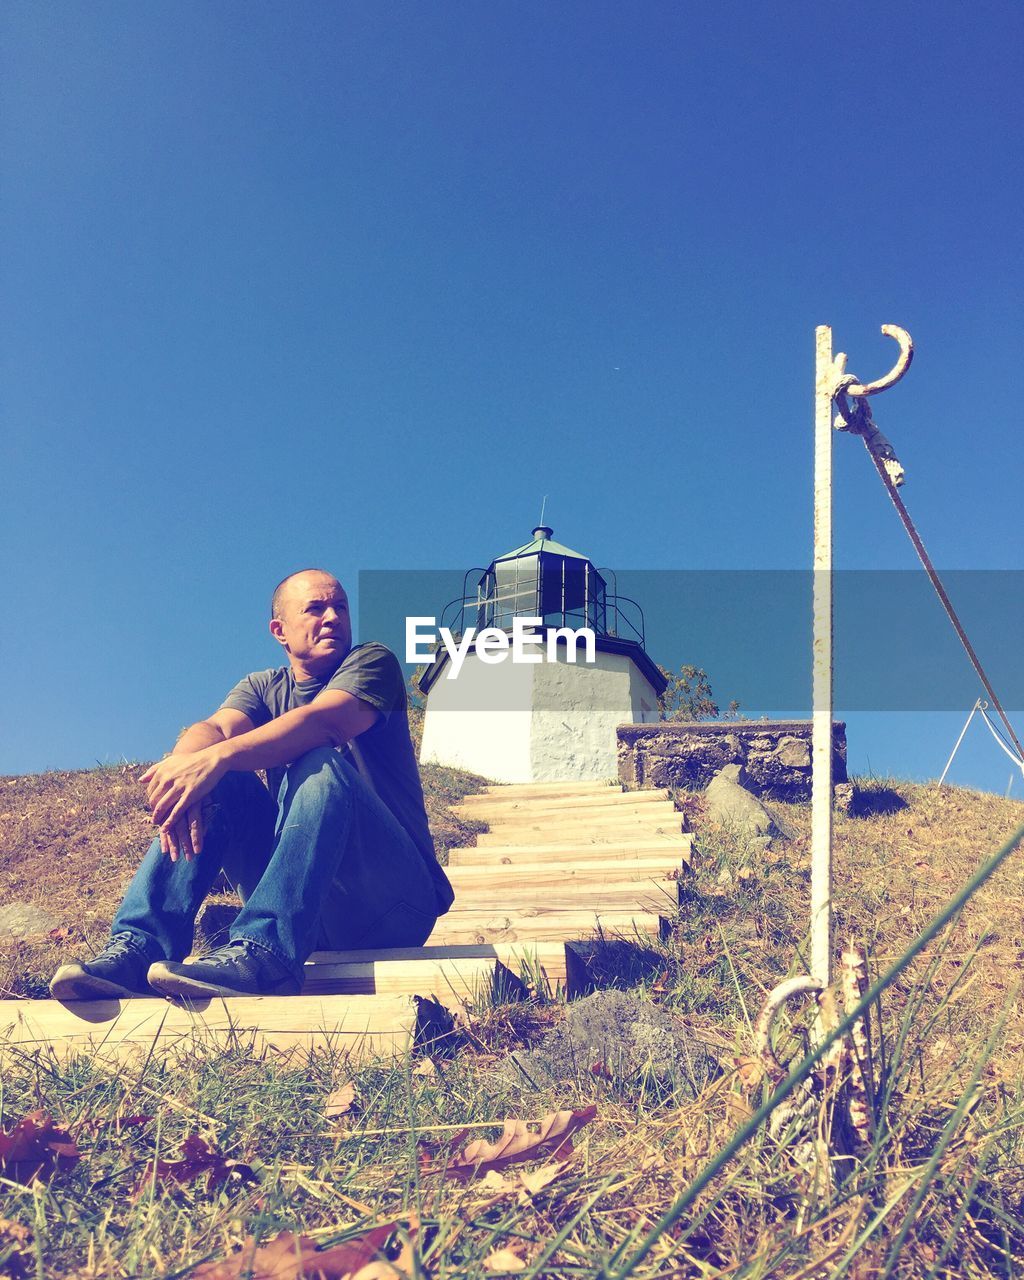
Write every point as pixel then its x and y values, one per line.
pixel 234 949
pixel 120 946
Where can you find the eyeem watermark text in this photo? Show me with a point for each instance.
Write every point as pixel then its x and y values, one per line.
pixel 493 645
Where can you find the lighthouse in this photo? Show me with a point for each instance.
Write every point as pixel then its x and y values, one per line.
pixel 545 705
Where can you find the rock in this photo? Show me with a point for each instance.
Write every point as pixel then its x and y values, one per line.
pixel 775 753
pixel 621 1036
pixel 23 919
pixel 213 923
pixel 732 807
pixel 794 753
pixel 842 797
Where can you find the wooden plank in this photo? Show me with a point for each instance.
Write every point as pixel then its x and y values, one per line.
pixel 654 893
pixel 538 877
pixel 508 855
pixel 450 982
pixel 582 831
pixel 548 957
pixel 534 924
pixel 472 805
pixel 512 816
pixel 362 1026
pixel 570 787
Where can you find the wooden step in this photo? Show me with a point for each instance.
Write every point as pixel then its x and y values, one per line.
pixel 504 953
pixel 541 876
pixel 582 831
pixel 539 924
pixel 449 981
pixel 655 892
pixel 362 1026
pixel 569 788
pixel 596 802
pixel 510 854
pixel 516 815
pixel 451 975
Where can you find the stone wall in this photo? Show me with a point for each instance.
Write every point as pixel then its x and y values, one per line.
pixel 776 754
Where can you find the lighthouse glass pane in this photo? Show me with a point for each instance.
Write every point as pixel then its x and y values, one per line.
pixel 564 591
pixel 485 602
pixel 515 591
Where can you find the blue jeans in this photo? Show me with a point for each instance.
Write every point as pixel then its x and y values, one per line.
pixel 328 865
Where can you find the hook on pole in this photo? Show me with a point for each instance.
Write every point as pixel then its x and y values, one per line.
pixel 906 345
pixel 789 990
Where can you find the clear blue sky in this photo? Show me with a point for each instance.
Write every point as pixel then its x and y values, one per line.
pixel 357 284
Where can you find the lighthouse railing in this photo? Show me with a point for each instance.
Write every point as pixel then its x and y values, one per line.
pixel 623 616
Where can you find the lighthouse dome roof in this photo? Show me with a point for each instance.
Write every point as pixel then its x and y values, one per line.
pixel 541 541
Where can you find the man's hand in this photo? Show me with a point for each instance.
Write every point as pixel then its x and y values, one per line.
pixel 175 786
pixel 186 839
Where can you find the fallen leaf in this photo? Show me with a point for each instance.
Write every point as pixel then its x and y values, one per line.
pixel 737 1108
pixel 426 1068
pixel 535 1180
pixel 60 934
pixel 517 1142
pixel 341 1101
pixel 504 1260
pixel 749 1070
pixel 199 1159
pixel 36 1148
pixel 292 1257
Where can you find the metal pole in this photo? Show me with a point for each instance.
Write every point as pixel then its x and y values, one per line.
pixel 821 683
pixel 977 704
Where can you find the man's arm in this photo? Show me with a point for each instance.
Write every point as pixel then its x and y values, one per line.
pixel 179 782
pixel 222 725
pixel 185 838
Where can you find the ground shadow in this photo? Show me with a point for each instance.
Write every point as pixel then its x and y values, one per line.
pixel 878 800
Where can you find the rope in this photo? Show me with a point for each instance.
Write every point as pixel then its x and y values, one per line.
pixel 1001 741
pixel 856 418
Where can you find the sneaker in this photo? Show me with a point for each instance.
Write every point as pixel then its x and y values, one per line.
pixel 118 970
pixel 239 968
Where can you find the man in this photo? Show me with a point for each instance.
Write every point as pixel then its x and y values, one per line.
pixel 334 852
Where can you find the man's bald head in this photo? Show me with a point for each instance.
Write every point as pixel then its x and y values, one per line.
pixel 285 586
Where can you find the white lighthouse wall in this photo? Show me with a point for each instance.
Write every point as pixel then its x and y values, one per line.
pixel 642 698
pixel 576 710
pixel 481 721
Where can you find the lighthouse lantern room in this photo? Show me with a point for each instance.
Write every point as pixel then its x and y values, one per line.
pixel 553 716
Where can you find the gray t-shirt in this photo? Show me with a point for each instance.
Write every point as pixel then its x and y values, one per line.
pixel 384 754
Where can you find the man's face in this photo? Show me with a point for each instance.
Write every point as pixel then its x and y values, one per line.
pixel 313 623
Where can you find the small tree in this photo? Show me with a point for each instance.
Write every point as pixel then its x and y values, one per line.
pixel 688 696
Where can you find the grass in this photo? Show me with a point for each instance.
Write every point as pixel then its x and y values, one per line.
pixel 937 1191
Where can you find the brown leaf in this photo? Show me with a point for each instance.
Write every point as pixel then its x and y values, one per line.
pixel 341 1101
pixel 199 1159
pixel 60 934
pixel 426 1068
pixel 36 1148
pixel 517 1142
pixel 534 1180
pixel 291 1257
pixel 749 1070
pixel 504 1260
